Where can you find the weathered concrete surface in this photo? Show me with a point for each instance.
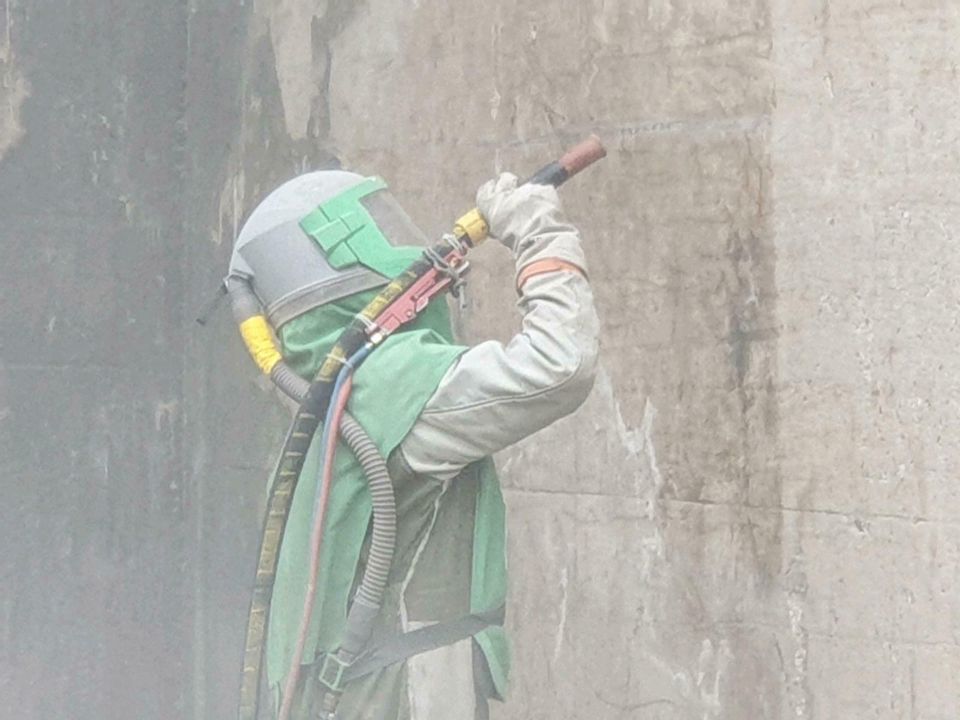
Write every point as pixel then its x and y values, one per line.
pixel 94 600
pixel 754 515
pixel 865 164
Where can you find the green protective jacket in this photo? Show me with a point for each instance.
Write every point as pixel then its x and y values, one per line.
pixel 390 390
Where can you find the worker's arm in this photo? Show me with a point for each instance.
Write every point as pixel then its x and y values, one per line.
pixel 497 394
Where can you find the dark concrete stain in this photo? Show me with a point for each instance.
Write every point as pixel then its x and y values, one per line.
pixel 234 425
pixel 752 338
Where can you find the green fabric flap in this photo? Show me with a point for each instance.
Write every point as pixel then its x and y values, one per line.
pixel 387 409
pixel 387 417
pixel 390 390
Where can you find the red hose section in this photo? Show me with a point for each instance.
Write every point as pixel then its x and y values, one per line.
pixel 316 537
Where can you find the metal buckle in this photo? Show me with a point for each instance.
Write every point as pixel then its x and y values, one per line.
pixel 331 672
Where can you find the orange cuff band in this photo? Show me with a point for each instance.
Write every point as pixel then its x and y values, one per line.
pixel 547 265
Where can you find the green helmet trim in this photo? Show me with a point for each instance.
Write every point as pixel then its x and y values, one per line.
pixel 348 234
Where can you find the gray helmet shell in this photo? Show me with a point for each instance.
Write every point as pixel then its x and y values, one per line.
pixel 285 267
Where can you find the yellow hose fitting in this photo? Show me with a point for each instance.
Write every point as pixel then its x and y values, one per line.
pixel 473 226
pixel 259 341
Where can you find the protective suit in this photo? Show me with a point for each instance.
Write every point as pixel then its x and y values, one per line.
pixel 437 411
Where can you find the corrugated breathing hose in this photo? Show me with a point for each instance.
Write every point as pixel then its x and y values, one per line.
pixel 384 536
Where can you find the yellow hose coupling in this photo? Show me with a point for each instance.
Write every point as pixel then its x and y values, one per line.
pixel 473 226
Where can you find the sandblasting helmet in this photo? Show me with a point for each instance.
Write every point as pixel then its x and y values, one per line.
pixel 320 237
pixel 314 240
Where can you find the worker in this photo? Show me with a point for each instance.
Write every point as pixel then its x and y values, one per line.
pixel 437 411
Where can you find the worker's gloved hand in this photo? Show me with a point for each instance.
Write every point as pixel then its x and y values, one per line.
pixel 529 219
pixel 513 212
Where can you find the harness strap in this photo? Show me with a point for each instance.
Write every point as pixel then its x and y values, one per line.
pixel 406 645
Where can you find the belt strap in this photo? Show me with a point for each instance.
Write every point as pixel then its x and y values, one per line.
pixel 406 645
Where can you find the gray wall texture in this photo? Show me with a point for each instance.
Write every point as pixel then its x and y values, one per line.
pixel 755 515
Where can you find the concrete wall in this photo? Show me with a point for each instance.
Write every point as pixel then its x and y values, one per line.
pixel 94 511
pixel 754 515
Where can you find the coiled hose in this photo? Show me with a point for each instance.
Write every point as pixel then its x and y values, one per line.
pixel 366 602
pixel 384 537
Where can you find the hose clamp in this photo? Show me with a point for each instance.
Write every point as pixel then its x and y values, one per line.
pixel 373 330
pixel 454 272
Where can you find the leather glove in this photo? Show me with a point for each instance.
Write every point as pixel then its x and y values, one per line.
pixel 529 220
pixel 512 212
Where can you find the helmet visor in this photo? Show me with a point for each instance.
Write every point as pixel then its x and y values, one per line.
pixel 392 220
